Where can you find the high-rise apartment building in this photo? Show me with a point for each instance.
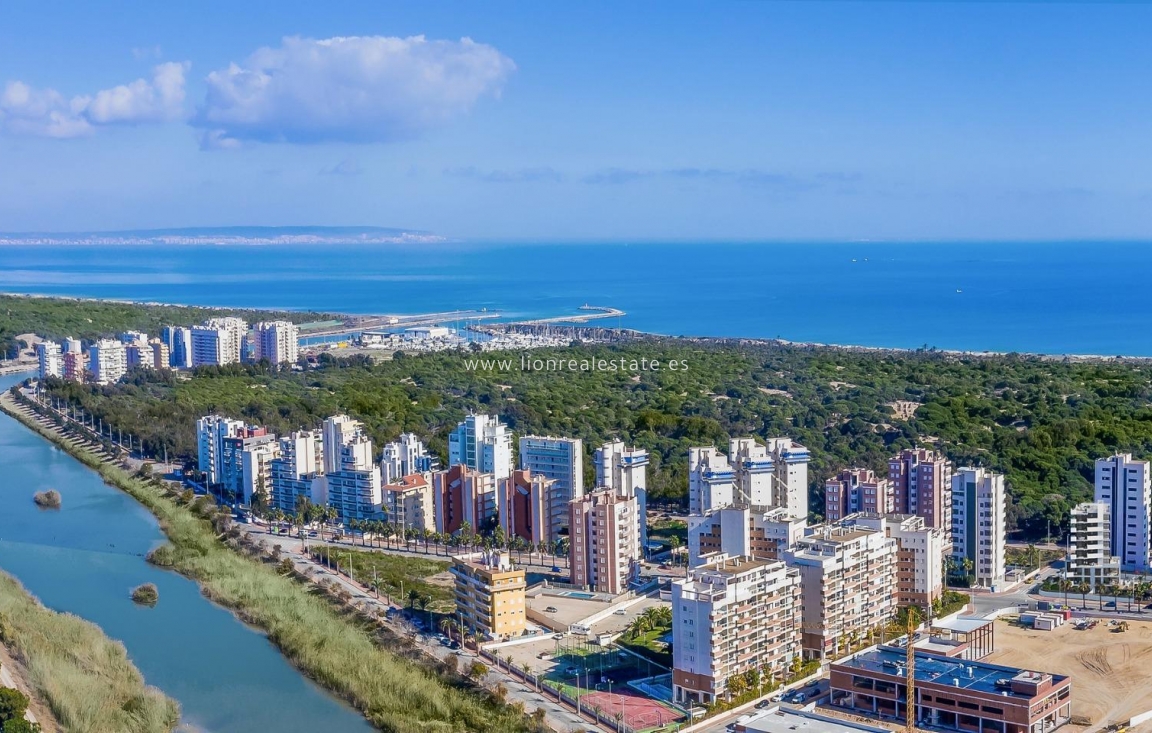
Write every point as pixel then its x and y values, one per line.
pixel 107 361
pixel 179 342
pixel 920 553
pixel 257 459
pixel 730 617
pixel 774 474
pixel 237 328
pixel 276 341
pixel 848 585
pixel 762 534
pixel 979 523
pixel 160 358
pixel 855 490
pixel 1124 485
pixel 490 595
pixel 404 456
pixel 523 505
pixel 74 366
pixel 50 359
pixel 462 495
pixel 604 549
pixel 921 481
pixel 562 461
pixel 408 502
pixel 245 464
pixel 482 444
pixel 1090 558
pixel 298 472
pixel 353 477
pixel 625 470
pixel 213 346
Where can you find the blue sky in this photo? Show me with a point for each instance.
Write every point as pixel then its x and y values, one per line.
pixel 661 120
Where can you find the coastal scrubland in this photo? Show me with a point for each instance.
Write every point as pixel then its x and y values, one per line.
pixel 1041 421
pixel 86 678
pixel 335 648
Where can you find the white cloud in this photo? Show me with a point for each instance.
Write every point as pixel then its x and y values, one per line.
pixel 356 89
pixel 47 113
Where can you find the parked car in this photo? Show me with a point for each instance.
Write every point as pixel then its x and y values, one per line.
pixel 812 683
pixel 763 704
pixel 797 698
pixel 555 568
pixel 550 609
pixel 777 697
pixel 620 612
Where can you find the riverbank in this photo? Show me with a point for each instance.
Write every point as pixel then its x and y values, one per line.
pixel 14 676
pixel 337 650
pixel 84 679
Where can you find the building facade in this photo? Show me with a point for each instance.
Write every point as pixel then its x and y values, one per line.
pixel 920 553
pixel 561 460
pixel 276 341
pixel 352 476
pixel 50 360
pixel 742 532
pixel 979 523
pixel 524 506
pixel 604 549
pixel 1126 487
pixel 921 481
pixel 107 361
pixel 408 503
pixel 730 617
pixel 463 496
pixel 848 586
pixel 773 474
pixel 856 490
pixel 1090 558
pixel 490 595
pixel 404 456
pixel 625 470
pixel 298 472
pixel 482 444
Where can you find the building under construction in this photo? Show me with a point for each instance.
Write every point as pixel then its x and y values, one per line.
pixel 951 694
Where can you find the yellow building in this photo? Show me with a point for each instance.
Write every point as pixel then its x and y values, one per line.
pixel 489 594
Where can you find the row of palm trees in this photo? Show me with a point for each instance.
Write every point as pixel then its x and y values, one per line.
pixel 383 533
pixel 1135 592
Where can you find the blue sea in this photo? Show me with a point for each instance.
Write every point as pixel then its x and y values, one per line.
pixel 1060 297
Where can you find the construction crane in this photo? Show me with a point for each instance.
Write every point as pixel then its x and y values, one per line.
pixel 910 701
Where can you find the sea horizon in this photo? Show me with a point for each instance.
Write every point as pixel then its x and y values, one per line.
pixel 1024 297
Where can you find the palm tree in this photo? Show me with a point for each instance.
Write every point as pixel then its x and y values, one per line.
pixel 1066 585
pixel 967 565
pixel 1083 588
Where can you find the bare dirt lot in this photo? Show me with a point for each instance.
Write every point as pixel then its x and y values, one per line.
pixel 1111 672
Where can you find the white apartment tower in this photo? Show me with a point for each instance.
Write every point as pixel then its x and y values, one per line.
pixel 211 431
pixel 1090 558
pixel 560 460
pixel 625 470
pixel 979 523
pixel 405 456
pixel 604 549
pixel 353 478
pixel 1123 484
pixel 237 330
pixel 298 472
pixel 730 617
pixel 107 361
pixel 50 359
pixel 848 585
pixel 774 474
pixel 212 346
pixel 276 341
pixel 483 444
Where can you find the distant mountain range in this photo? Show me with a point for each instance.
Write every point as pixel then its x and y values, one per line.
pixel 229 235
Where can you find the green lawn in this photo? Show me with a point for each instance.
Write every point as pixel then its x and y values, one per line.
pixel 646 645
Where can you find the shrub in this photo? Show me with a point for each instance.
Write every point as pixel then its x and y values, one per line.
pixel 146 595
pixel 49 499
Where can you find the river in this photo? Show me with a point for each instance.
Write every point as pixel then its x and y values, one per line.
pixel 86 558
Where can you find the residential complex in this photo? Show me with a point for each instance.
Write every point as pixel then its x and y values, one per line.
pixel 763 534
pixel 979 524
pixel 625 470
pixel 524 502
pixel 463 497
pixel 353 476
pixel 404 456
pixel 921 481
pixel 297 474
pixel 855 490
pixel 408 503
pixel 482 444
pixel 490 595
pixel 1090 558
pixel 276 341
pixel 1125 486
pixel 774 474
pixel 50 360
pixel 107 361
pixel 560 460
pixel 848 585
pixel 730 617
pixel 604 546
pixel 920 553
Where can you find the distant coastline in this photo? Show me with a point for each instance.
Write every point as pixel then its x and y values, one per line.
pixel 225 236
